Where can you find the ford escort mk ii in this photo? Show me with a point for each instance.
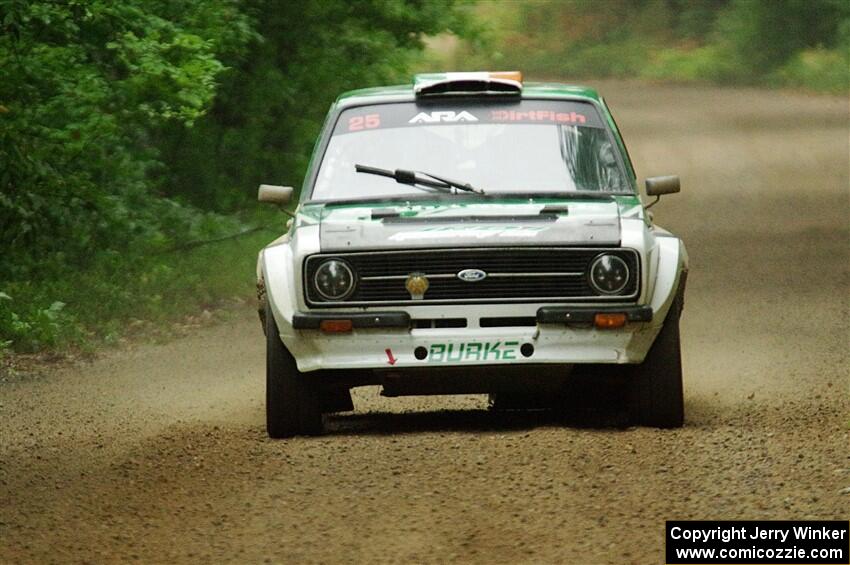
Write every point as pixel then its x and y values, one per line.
pixel 470 234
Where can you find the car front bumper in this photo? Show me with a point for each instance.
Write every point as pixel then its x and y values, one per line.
pixel 387 340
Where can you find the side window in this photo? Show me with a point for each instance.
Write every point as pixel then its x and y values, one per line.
pixel 620 135
pixel 590 159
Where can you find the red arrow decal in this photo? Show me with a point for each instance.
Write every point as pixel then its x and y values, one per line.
pixel 391 360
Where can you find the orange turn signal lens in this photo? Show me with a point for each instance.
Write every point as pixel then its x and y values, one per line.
pixel 607 321
pixel 335 326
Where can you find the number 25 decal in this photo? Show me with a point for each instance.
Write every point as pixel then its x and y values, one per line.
pixel 369 121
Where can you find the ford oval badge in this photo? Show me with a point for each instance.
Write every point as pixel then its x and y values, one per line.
pixel 472 275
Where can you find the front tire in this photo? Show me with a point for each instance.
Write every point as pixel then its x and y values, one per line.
pixel 658 399
pixel 292 402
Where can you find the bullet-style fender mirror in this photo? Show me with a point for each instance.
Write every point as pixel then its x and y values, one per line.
pixel 274 194
pixel 656 186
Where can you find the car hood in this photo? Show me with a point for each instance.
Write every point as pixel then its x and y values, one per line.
pixel 350 227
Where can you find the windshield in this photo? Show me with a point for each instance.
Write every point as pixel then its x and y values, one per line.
pixel 534 146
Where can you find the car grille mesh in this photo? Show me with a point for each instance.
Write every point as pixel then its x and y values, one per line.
pixel 513 275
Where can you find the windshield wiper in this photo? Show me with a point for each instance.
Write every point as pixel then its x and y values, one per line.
pixel 416 178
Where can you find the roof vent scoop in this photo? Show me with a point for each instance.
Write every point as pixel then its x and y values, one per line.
pixel 468 83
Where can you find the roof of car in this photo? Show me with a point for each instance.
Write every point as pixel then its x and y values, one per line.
pixel 405 93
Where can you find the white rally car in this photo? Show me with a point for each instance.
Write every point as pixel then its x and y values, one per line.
pixel 470 234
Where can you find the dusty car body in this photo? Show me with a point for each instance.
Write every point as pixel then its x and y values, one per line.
pixel 540 261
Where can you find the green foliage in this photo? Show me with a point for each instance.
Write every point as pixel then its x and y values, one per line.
pixel 86 84
pixel 267 114
pixel 31 329
pixel 764 34
pixel 106 299
pixel 711 63
pixel 824 70
pixel 801 43
pixel 127 128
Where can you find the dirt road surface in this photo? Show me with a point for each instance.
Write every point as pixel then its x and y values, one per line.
pixel 158 453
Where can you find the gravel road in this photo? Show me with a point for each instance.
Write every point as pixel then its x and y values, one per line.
pixel 158 453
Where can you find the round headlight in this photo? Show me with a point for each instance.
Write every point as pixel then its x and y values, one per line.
pixel 609 274
pixel 334 279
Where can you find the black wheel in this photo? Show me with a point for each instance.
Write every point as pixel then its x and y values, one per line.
pixel 262 303
pixel 292 402
pixel 657 398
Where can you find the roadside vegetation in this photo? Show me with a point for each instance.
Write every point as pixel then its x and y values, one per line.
pixel 131 129
pixel 803 44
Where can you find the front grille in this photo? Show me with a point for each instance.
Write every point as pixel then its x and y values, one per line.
pixel 531 274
